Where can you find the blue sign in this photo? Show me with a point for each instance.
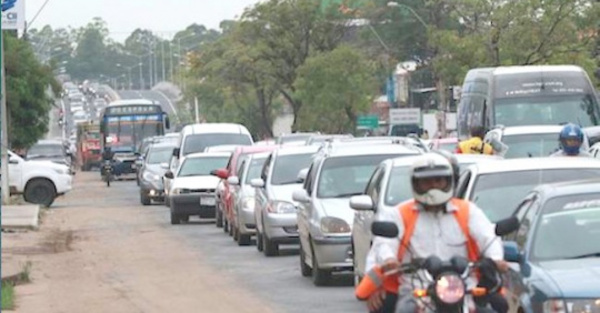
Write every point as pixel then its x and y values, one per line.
pixel 8 4
pixel 391 89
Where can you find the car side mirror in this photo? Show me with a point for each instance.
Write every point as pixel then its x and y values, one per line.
pixel 301 196
pixel 233 180
pixel 507 226
pixel 221 173
pixel 13 161
pixel 176 152
pixel 169 175
pixel 302 176
pixel 257 183
pixel 385 229
pixel 361 203
pixel 511 252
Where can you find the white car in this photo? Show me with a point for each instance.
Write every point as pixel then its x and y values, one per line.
pixel 389 186
pixel 192 189
pixel 498 187
pixel 80 117
pixel 530 141
pixel 40 182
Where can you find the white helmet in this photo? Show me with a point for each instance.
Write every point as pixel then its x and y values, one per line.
pixel 432 165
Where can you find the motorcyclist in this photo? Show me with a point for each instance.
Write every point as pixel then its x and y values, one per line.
pixel 107 154
pixel 475 144
pixel 435 222
pixel 570 140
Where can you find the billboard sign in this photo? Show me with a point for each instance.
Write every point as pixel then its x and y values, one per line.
pixel 13 14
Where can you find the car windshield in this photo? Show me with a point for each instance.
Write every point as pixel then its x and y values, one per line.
pixel 202 166
pixel 567 227
pixel 159 155
pixel 530 145
pixel 546 110
pixel 45 150
pixel 293 138
pixel 498 194
pixel 399 187
pixel 199 142
pixel 346 176
pixel 287 167
pixel 255 167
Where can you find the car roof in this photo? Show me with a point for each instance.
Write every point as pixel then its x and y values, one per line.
pixel 510 165
pixel 472 158
pixel 291 150
pixel 255 149
pixel 207 155
pixel 221 148
pixel 372 149
pixel 163 144
pixel 569 188
pixel 203 128
pixel 131 101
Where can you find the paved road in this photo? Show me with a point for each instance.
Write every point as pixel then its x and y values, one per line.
pixel 166 103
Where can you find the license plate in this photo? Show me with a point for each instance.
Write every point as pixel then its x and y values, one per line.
pixel 207 201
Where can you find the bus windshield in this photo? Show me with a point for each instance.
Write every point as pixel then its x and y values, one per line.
pixel 128 132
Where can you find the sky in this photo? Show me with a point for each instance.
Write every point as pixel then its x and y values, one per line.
pixel 164 17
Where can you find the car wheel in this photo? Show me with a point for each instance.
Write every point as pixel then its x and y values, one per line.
pixel 304 268
pixel 225 225
pixel 175 219
pixel 185 218
pixel 259 242
pixel 219 222
pixel 269 248
pixel 244 240
pixel 229 228
pixel 145 199
pixel 40 191
pixel 320 277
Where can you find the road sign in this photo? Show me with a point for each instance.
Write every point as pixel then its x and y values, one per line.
pixel 367 122
pixel 405 116
pixel 13 14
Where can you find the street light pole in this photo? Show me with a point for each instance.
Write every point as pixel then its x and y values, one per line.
pixel 162 62
pixel 4 140
pixel 141 76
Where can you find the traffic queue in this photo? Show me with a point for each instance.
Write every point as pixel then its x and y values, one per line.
pixel 496 219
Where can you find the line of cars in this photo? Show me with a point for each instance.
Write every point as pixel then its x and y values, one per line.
pixel 325 197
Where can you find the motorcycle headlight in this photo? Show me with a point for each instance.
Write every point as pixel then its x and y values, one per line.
pixel 248 203
pixel 450 289
pixel 334 225
pixel 281 207
pixel 150 176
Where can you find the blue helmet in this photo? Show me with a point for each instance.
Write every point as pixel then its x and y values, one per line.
pixel 571 131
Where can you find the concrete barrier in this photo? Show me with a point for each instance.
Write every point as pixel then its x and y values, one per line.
pixel 20 216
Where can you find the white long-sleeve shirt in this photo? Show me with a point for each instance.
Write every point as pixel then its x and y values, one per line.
pixel 435 234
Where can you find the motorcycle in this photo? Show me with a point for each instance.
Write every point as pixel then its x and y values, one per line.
pixel 107 172
pixel 445 282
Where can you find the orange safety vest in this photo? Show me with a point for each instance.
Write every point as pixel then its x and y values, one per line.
pixel 375 279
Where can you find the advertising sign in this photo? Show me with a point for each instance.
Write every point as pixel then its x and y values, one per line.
pixel 13 14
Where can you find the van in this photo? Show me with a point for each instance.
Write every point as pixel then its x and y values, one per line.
pixel 197 137
pixel 526 96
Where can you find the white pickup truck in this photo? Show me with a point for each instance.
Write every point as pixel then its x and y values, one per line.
pixel 39 182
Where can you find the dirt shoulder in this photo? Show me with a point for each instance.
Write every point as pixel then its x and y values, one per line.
pixel 97 253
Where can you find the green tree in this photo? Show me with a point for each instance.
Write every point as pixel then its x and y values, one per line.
pixel 335 87
pixel 28 101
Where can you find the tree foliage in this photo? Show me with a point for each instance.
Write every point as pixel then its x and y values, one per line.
pixel 27 93
pixel 335 87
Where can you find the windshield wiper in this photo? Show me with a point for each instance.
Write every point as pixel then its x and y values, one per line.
pixel 345 195
pixel 584 256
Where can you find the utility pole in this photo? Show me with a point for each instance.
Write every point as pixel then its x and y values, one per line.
pixel 196 110
pixel 155 62
pixel 171 61
pixel 4 117
pixel 141 75
pixel 162 62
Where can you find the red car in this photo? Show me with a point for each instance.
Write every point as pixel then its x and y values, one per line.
pixel 224 194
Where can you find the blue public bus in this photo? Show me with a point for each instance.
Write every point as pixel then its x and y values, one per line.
pixel 124 125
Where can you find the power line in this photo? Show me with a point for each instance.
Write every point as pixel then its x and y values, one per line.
pixel 38 13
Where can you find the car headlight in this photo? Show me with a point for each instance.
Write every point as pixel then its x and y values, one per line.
pixel 572 305
pixel 150 176
pixel 281 207
pixel 179 191
pixel 248 203
pixel 334 225
pixel 62 171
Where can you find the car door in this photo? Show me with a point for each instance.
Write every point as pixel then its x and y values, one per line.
pixel 304 209
pixel 235 195
pixel 261 196
pixel 515 282
pixel 361 230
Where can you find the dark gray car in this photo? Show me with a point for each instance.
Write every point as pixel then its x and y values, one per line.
pixel 155 164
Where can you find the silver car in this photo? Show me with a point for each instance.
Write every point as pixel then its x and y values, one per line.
pixel 243 197
pixel 324 214
pixel 388 187
pixel 275 211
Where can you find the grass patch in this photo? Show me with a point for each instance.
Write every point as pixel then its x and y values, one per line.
pixel 8 296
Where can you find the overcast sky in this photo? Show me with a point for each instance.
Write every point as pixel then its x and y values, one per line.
pixel 165 17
